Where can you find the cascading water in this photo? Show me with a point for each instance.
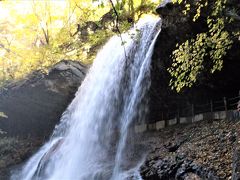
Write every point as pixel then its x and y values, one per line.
pixel 90 141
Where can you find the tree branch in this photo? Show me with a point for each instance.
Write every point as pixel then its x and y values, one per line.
pixel 117 26
pixel 9 50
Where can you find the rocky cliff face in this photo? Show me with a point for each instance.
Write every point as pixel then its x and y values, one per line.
pixel 177 28
pixel 34 105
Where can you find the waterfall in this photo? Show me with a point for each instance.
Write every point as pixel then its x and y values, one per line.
pixel 92 138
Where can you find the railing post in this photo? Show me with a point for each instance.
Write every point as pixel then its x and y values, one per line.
pixel 211 104
pixel 178 116
pixel 166 119
pixel 225 103
pixel 193 112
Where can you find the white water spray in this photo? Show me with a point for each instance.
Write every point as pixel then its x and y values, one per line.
pixel 90 141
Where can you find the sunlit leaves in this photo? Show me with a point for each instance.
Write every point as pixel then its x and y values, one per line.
pixel 187 62
pixel 189 58
pixel 37 34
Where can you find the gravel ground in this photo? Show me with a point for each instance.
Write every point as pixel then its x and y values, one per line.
pixel 202 150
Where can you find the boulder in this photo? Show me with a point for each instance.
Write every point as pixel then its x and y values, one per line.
pixel 33 106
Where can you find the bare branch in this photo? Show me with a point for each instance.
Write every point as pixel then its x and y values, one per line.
pixel 117 26
pixel 9 50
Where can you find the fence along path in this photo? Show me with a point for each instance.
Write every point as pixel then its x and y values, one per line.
pixel 218 109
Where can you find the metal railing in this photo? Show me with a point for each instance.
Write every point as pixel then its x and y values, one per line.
pixel 223 104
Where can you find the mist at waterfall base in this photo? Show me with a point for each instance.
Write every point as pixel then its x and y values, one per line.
pixel 94 138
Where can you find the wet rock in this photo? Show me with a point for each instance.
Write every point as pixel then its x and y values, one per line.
pixel 173 147
pixel 191 176
pixel 175 169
